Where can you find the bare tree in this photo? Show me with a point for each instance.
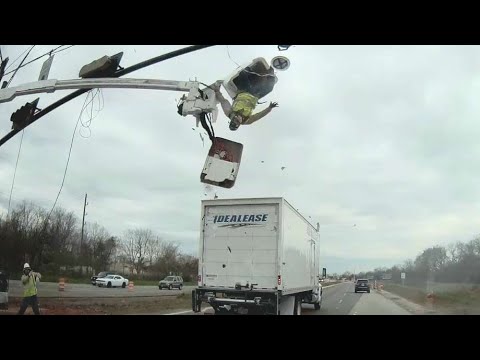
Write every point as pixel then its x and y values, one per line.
pixel 154 250
pixel 97 250
pixel 52 244
pixel 136 245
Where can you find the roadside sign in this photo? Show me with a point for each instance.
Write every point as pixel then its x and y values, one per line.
pixel 402 275
pixel 45 69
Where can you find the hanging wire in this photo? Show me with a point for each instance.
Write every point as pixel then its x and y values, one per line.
pixel 101 103
pixel 15 172
pixel 69 154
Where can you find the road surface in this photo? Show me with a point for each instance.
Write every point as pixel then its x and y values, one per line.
pixel 341 299
pixel 50 290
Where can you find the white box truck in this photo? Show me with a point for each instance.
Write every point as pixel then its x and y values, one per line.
pixel 256 256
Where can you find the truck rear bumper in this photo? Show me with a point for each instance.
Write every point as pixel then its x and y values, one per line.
pixel 232 300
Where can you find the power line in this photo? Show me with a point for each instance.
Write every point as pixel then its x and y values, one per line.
pixel 9 81
pixel 15 172
pixel 69 153
pixel 19 197
pixel 14 61
pixel 56 52
pixel 51 52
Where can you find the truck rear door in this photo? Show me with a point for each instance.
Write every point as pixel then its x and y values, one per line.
pixel 240 245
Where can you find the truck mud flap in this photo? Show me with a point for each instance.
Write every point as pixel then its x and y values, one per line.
pixel 196 302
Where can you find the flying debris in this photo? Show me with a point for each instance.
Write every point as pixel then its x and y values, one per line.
pixel 283 167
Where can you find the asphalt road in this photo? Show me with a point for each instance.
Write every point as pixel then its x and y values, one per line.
pixel 376 304
pixel 341 299
pixel 50 290
pixel 337 300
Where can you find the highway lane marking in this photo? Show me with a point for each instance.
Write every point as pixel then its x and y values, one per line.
pixel 325 287
pixel 186 312
pixel 340 301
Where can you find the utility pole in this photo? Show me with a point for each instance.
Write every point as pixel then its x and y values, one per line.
pixel 81 239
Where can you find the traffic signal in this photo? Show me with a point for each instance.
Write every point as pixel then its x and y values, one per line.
pixel 23 116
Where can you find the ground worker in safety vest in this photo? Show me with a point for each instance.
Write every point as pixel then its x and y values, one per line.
pixel 241 111
pixel 29 281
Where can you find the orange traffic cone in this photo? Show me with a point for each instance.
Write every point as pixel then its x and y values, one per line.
pixel 61 284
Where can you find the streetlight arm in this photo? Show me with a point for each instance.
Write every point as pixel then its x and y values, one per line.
pixel 48 86
pixel 196 103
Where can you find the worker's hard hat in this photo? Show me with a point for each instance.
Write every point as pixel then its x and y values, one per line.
pixel 26 266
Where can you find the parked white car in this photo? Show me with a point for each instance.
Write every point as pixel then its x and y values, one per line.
pixel 112 281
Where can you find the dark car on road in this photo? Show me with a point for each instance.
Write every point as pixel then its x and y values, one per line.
pixel 101 274
pixel 171 282
pixel 362 285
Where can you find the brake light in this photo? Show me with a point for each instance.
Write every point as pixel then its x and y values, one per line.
pixel 279 279
pixel 199 278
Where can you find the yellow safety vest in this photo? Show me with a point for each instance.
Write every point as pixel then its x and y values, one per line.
pixel 30 288
pixel 244 104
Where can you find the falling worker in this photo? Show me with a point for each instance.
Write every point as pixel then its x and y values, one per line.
pixel 241 111
pixel 247 86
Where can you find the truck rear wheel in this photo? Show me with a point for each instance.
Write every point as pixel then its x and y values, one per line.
pixel 316 306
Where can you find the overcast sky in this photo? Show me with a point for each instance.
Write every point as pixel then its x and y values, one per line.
pixel 380 145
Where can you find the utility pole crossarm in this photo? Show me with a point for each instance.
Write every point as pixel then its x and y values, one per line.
pixel 48 86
